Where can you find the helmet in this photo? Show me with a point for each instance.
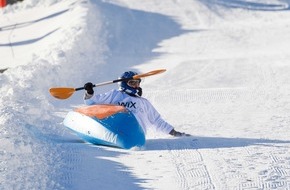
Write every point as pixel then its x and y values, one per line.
pixel 123 86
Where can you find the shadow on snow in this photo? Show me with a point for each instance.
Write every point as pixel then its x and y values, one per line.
pixel 28 23
pixel 208 143
pixel 242 4
pixel 132 35
pixel 80 165
pixel 94 168
pixel 30 41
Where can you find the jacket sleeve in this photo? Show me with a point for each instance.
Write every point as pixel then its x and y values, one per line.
pixel 100 98
pixel 156 120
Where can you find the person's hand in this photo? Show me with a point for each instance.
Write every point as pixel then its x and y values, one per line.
pixel 178 134
pixel 89 88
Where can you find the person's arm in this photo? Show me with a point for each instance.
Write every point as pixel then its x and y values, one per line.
pixel 91 98
pixel 160 124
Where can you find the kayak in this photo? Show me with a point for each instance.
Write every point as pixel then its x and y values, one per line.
pixel 107 125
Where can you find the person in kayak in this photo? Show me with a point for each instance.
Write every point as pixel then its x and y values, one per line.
pixel 129 95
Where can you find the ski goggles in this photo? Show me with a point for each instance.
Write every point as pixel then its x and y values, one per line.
pixel 133 83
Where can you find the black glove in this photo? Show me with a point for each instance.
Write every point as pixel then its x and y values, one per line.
pixel 178 134
pixel 89 88
pixel 139 91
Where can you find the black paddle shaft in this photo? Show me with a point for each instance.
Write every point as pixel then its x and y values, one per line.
pixel 105 83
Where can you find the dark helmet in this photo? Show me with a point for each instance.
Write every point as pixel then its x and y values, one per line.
pixel 123 86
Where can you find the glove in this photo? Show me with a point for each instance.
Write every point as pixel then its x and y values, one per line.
pixel 89 88
pixel 178 134
pixel 139 91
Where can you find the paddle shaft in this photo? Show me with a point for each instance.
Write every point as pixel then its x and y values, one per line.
pixel 66 92
pixel 105 83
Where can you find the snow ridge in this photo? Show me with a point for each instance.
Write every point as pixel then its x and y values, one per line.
pixel 227 84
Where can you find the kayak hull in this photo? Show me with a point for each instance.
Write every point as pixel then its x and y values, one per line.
pixel 118 129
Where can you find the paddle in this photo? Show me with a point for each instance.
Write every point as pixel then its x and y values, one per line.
pixel 66 92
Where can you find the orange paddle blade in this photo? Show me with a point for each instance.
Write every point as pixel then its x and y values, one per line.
pixel 61 92
pixel 149 73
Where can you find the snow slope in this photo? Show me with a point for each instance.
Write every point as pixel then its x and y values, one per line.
pixel 227 84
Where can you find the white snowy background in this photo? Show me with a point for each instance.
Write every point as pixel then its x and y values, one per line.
pixel 227 83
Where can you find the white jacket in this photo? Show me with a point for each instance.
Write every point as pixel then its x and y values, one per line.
pixel 145 113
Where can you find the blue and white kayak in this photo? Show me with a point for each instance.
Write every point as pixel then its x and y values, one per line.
pixel 108 125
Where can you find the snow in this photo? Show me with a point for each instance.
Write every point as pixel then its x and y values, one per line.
pixel 227 84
